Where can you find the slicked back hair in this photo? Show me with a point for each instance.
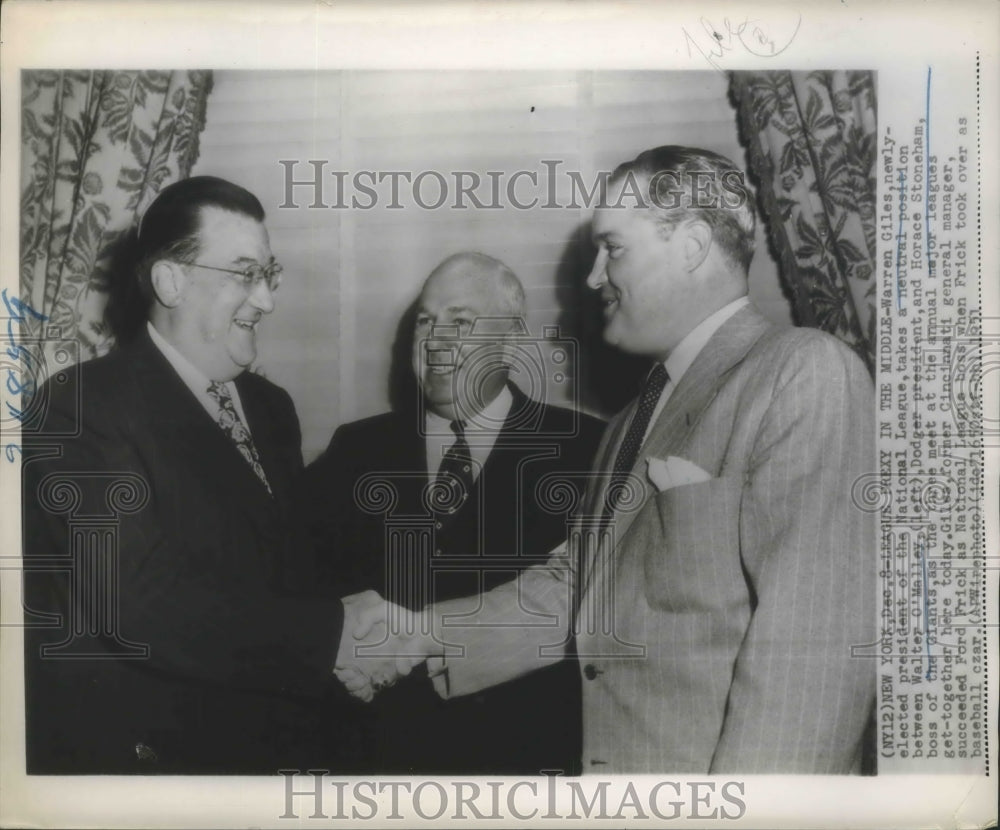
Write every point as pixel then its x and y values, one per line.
pixel 169 227
pixel 678 183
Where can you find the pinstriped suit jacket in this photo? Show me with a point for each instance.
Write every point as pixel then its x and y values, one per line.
pixel 716 619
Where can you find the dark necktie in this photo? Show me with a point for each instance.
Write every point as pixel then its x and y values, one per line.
pixel 455 472
pixel 629 450
pixel 233 426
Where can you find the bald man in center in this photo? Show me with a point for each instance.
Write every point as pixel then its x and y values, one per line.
pixel 428 502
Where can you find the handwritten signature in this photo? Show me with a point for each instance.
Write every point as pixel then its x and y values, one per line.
pixel 714 42
pixel 19 312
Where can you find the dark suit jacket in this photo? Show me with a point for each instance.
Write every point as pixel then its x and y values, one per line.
pixel 210 660
pixel 415 558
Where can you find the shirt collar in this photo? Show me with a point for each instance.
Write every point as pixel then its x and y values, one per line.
pixel 194 379
pixel 687 350
pixel 191 375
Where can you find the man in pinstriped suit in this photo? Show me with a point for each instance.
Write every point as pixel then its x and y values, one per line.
pixel 725 572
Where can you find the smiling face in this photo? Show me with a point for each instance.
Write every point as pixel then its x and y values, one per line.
pixel 460 377
pixel 647 290
pixel 214 323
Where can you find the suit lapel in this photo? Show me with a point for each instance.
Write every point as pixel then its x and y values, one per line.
pixel 500 470
pixel 681 414
pixel 405 446
pixel 174 411
pixel 693 395
pixel 260 422
pixel 594 503
pixel 605 461
pixel 404 456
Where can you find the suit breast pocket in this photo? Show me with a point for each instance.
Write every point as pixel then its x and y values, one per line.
pixel 690 542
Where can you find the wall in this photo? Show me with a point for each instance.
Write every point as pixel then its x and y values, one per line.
pixel 352 273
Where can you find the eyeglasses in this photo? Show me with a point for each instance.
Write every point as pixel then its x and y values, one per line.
pixel 251 276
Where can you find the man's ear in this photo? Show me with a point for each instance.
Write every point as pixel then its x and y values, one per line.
pixel 510 342
pixel 168 281
pixel 697 243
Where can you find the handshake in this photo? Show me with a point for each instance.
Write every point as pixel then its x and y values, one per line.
pixel 380 643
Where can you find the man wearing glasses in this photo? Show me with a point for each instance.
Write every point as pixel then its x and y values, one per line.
pixel 157 531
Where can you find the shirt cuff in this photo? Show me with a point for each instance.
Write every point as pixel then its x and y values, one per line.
pixel 437 670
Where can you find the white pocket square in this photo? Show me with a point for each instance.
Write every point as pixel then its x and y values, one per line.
pixel 674 472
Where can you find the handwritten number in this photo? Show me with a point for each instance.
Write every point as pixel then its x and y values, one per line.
pixel 16 387
pixel 19 312
pixel 15 413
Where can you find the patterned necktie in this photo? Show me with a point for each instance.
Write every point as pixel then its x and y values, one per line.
pixel 455 471
pixel 629 450
pixel 233 426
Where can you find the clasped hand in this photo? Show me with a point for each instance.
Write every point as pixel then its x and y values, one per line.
pixel 380 643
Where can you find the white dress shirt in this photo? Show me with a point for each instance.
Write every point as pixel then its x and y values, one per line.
pixel 481 431
pixel 688 349
pixel 194 379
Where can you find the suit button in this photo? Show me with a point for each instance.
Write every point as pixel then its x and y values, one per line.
pixel 590 671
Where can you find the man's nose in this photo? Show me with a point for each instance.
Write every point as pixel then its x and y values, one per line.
pixel 261 297
pixel 441 346
pixel 598 274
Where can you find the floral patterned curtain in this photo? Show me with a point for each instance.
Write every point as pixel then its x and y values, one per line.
pixel 96 147
pixel 812 143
